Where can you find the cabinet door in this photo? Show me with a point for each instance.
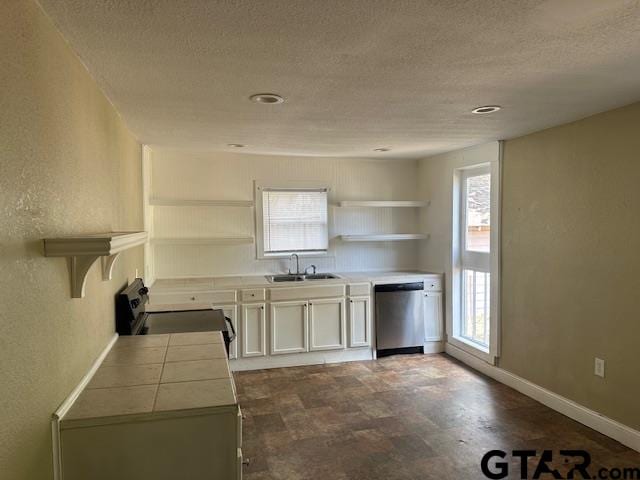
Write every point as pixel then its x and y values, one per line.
pixel 253 331
pixel 289 327
pixel 230 311
pixel 359 322
pixel 433 321
pixel 326 324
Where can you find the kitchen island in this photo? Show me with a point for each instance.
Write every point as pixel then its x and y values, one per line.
pixel 158 407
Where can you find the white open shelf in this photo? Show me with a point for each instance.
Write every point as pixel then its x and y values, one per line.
pixel 384 203
pixel 202 240
pixel 176 202
pixel 385 237
pixel 83 250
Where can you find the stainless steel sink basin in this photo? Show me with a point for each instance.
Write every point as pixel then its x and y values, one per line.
pixel 285 278
pixel 299 278
pixel 320 276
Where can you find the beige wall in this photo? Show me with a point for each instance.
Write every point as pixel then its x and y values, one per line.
pixel 571 260
pixel 570 255
pixel 68 165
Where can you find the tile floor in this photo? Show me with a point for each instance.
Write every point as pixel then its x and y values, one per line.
pixel 402 417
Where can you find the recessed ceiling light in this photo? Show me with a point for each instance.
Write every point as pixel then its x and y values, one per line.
pixel 381 149
pixel 236 145
pixel 486 109
pixel 266 98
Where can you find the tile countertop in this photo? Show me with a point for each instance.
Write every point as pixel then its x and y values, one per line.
pixel 156 376
pixel 258 281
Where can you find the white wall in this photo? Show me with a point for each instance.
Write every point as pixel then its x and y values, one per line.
pixel 231 176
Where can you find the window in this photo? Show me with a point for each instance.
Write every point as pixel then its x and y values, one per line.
pixel 478 213
pixel 474 294
pixel 292 221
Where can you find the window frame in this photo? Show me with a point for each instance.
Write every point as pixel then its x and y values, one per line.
pixel 259 218
pixel 472 260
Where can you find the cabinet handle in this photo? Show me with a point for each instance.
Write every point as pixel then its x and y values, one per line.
pixel 262 307
pixel 245 462
pixel 193 298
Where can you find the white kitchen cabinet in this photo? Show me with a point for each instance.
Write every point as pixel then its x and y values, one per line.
pixel 433 319
pixel 359 322
pixel 253 331
pixel 289 327
pixel 327 324
pixel 231 312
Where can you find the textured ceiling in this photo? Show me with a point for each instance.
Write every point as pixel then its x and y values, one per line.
pixel 356 74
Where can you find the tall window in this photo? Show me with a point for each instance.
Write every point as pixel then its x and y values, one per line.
pixel 475 261
pixel 293 221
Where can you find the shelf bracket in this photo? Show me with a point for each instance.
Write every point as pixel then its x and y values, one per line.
pixel 107 266
pixel 79 266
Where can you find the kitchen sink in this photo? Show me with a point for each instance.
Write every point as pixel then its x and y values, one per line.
pixel 300 278
pixel 285 278
pixel 320 276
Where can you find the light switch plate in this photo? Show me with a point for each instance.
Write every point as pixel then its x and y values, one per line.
pixel 599 370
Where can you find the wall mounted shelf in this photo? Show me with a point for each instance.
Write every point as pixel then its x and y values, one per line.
pixel 202 240
pixel 386 237
pixel 384 203
pixel 175 202
pixel 82 251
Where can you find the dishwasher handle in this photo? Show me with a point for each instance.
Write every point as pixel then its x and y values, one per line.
pixel 399 287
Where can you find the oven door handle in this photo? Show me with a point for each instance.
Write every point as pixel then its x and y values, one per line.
pixel 232 330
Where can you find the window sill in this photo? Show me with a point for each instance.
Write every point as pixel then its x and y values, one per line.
pixel 473 349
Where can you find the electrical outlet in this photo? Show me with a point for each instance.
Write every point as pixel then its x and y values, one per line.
pixel 599 370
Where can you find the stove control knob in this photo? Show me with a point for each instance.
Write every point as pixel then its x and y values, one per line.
pixel 135 302
pixel 143 291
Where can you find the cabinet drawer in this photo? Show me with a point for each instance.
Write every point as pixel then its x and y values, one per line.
pixel 218 297
pixel 433 284
pixel 253 295
pixel 359 289
pixel 296 293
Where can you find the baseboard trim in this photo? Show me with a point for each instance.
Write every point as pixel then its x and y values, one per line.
pixel 605 425
pixel 298 360
pixel 66 405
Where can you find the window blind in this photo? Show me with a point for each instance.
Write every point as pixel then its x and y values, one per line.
pixel 294 220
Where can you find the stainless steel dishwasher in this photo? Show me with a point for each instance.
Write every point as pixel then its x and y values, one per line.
pixel 399 318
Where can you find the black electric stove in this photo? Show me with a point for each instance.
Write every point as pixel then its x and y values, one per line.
pixel 133 319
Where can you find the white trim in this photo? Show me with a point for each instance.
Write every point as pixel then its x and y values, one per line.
pixel 496 255
pixel 433 347
pixel 147 215
pixel 298 359
pixel 68 403
pixel 605 425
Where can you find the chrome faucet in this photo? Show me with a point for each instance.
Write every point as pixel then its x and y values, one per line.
pixel 310 266
pixel 297 272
